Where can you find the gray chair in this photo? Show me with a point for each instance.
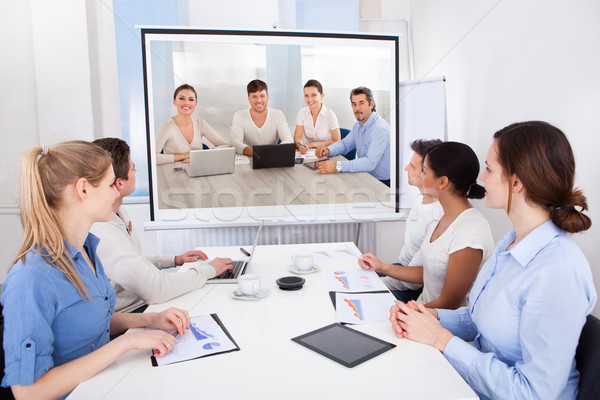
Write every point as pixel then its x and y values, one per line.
pixel 587 358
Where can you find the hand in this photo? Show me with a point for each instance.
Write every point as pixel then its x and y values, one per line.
pixel 414 305
pixel 160 342
pixel 322 152
pixel 190 256
pixel 172 318
pixel 183 157
pixel 247 151
pixel 326 167
pixel 394 310
pixel 413 321
pixel 302 148
pixel 221 265
pixel 369 261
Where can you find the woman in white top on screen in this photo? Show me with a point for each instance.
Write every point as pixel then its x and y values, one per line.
pixel 531 298
pixel 317 123
pixel 182 133
pixel 455 248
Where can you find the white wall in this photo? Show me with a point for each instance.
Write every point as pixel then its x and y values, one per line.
pixel 518 60
pixel 54 88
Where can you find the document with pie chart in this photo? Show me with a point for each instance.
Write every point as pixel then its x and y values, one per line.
pixel 206 336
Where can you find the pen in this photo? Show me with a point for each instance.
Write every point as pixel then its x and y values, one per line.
pixel 243 250
pixel 302 144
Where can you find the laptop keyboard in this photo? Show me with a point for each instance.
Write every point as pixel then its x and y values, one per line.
pixel 237 268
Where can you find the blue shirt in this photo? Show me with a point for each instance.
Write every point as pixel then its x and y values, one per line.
pixel 529 305
pixel 46 322
pixel 372 144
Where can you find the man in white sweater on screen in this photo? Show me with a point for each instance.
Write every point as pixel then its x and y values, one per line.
pixel 258 124
pixel 425 213
pixel 138 279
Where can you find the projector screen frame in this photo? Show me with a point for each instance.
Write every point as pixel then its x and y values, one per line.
pixel 248 215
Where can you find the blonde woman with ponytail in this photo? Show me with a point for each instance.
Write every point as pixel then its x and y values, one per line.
pixel 530 300
pixel 58 303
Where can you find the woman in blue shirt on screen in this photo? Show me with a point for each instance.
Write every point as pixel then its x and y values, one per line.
pixel 530 300
pixel 58 303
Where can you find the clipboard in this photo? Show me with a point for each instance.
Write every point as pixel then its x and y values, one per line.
pixel 201 342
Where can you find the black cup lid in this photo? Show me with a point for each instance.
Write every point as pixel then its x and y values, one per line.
pixel 290 282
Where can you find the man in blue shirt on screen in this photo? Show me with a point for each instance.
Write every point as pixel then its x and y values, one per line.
pixel 370 136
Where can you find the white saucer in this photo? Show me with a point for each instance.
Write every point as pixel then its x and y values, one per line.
pixel 261 293
pixel 292 268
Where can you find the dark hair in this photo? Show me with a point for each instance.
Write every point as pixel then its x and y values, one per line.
pixel 422 146
pixel 363 90
pixel 540 155
pixel 119 155
pixel 459 164
pixel 256 86
pixel 185 86
pixel 314 83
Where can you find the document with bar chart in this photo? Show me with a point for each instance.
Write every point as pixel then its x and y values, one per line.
pixel 363 308
pixel 354 280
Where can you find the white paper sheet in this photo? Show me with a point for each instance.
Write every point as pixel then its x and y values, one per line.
pixel 204 337
pixel 354 280
pixel 308 156
pixel 333 252
pixel 363 308
pixel 241 159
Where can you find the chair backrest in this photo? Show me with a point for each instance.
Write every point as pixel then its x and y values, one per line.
pixel 351 155
pixel 5 393
pixel 587 358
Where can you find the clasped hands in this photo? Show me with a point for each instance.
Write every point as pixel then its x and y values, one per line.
pixel 416 322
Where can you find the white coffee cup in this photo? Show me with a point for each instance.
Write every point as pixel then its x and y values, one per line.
pixel 303 262
pixel 249 284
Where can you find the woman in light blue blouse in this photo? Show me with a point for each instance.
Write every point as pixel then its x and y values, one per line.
pixel 530 300
pixel 58 303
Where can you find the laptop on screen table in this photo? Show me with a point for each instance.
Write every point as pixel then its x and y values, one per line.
pixel 273 155
pixel 211 162
pixel 239 266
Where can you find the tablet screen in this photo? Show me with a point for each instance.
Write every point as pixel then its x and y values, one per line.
pixel 343 345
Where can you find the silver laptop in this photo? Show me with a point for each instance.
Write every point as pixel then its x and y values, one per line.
pixel 239 266
pixel 211 162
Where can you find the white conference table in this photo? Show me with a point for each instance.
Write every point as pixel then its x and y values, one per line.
pixel 269 365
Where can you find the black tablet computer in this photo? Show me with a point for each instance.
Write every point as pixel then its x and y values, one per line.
pixel 344 345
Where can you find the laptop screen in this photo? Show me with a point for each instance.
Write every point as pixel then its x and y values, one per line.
pixel 273 155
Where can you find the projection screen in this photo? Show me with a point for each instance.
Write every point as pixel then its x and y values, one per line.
pixel 219 64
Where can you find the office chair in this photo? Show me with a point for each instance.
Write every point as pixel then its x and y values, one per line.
pixel 351 155
pixel 587 358
pixel 5 393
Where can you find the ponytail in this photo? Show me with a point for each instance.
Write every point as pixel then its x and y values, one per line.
pixel 569 218
pixel 43 175
pixel 476 191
